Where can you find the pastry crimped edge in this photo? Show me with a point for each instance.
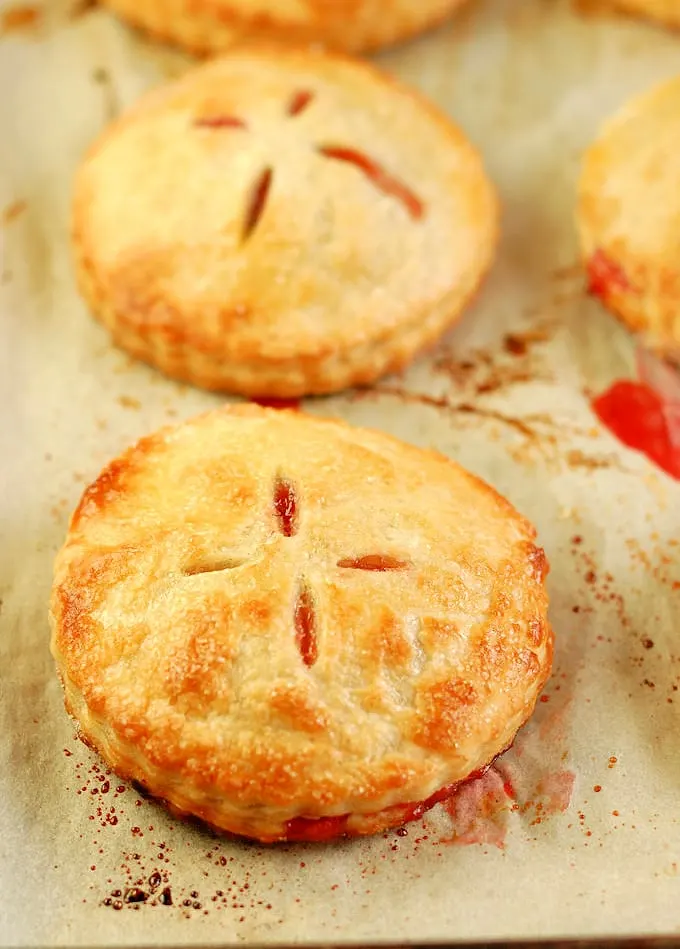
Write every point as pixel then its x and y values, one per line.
pixel 356 365
pixel 662 12
pixel 641 290
pixel 215 28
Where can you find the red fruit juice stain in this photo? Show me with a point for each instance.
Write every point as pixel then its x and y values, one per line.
pixel 292 405
pixel 479 810
pixel 636 415
pixel 605 276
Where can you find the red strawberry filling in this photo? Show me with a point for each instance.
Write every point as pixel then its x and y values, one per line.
pixel 326 828
pixel 605 276
pixel 305 627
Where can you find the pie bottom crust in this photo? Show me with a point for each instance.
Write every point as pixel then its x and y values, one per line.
pixel 125 762
pixel 223 818
pixel 357 365
pixel 204 29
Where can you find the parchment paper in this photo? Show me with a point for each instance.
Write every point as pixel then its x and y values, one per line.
pixel 576 830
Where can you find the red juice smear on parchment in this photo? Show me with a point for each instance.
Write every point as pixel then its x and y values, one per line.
pixel 553 795
pixel 645 415
pixel 480 810
pixel 635 414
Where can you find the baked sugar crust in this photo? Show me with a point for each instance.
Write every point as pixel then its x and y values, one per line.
pixel 629 216
pixel 666 12
pixel 208 27
pixel 269 619
pixel 281 223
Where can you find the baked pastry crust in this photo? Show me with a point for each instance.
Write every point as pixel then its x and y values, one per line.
pixel 272 620
pixel 629 216
pixel 661 11
pixel 213 26
pixel 281 223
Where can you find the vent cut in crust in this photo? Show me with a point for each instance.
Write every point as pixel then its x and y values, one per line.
pixel 213 26
pixel 294 629
pixel 281 223
pixel 629 216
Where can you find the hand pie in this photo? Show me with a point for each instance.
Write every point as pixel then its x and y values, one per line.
pixel 204 27
pixel 629 216
pixel 294 629
pixel 281 223
pixel 663 11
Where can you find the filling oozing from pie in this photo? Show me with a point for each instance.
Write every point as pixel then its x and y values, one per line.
pixel 326 828
pixel 605 276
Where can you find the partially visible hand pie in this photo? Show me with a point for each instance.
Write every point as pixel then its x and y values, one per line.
pixel 294 629
pixel 662 11
pixel 212 26
pixel 629 216
pixel 281 223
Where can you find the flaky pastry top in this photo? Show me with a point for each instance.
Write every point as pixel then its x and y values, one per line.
pixel 208 26
pixel 261 616
pixel 665 11
pixel 278 204
pixel 629 212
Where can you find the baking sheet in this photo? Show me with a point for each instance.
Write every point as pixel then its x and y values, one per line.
pixel 575 832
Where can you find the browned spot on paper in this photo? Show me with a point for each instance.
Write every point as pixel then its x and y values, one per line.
pixel 482 372
pixel 110 98
pixel 523 426
pixel 573 271
pixel 406 396
pixel 578 459
pixel 129 402
pixel 503 377
pixel 518 424
pixel 519 344
pixel 514 344
pixel 13 211
pixel 19 19
pixel 659 561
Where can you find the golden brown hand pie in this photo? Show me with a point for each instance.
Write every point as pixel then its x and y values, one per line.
pixel 663 11
pixel 280 223
pixel 629 216
pixel 211 26
pixel 295 629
